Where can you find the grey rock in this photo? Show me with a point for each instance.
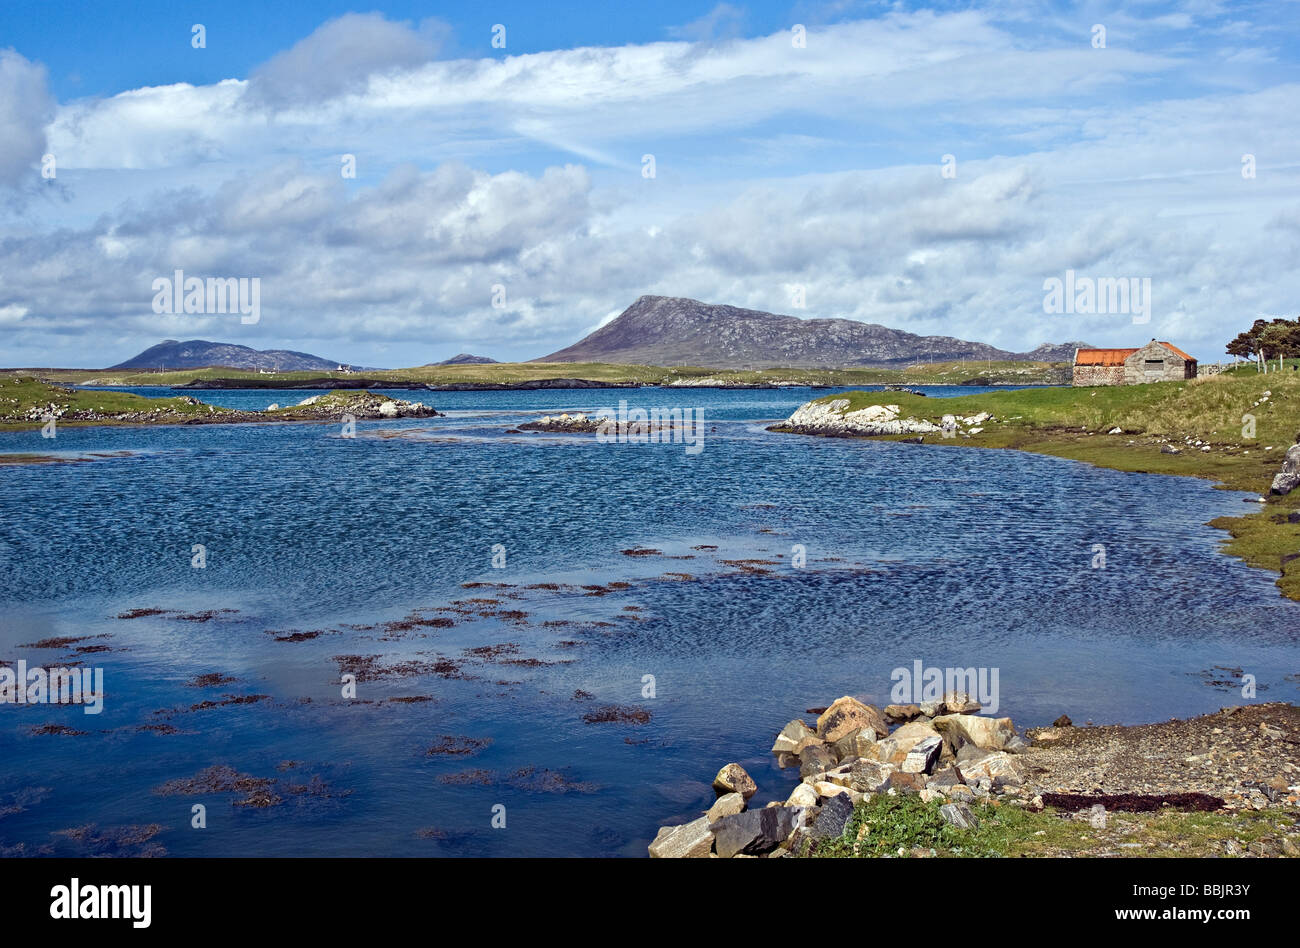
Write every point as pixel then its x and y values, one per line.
pixel 1016 745
pixel 757 831
pixel 1288 479
pixel 959 815
pixel 869 776
pixel 902 712
pixel 794 737
pixel 923 756
pixel 944 779
pixel 857 743
pixel 732 778
pixel 692 840
pixel 729 804
pixel 815 759
pixel 833 818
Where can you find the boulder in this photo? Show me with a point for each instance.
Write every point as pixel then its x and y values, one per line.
pixel 985 733
pixel 692 840
pixel 729 804
pixel 1288 479
pixel 816 759
pixel 959 815
pixel 1000 768
pixel 757 831
pixel 794 737
pixel 802 795
pixel 870 776
pixel 959 702
pixel 961 794
pixel 894 748
pixel 826 789
pixel 733 779
pixel 833 818
pixel 906 782
pixel 857 743
pixel 899 713
pixel 945 779
pixel 848 714
pixel 923 756
pixel 1016 745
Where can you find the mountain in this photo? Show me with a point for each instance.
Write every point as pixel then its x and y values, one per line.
pixel 464 358
pixel 198 354
pixel 669 330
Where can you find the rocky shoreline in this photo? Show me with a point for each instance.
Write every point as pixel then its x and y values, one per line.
pixel 64 406
pixel 831 419
pixel 1240 760
pixel 324 384
pixel 360 405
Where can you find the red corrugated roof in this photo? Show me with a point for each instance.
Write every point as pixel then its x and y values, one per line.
pixel 1117 356
pixel 1173 348
pixel 1102 356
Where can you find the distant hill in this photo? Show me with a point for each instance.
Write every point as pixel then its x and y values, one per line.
pixel 464 358
pixel 198 354
pixel 669 330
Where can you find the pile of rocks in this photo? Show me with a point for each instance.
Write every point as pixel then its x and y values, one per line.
pixel 357 403
pixel 830 418
pixel 577 422
pixel 973 423
pixel 940 750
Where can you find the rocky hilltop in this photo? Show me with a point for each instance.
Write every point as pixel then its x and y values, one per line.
pixel 198 354
pixel 668 330
pixel 466 358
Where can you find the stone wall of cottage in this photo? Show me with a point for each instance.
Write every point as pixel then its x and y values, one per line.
pixel 1089 375
pixel 1175 367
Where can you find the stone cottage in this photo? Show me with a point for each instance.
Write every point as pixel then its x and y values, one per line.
pixel 1155 362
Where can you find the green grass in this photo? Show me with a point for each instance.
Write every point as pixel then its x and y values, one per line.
pixel 946 373
pixel 1249 368
pixel 882 825
pixel 1007 830
pixel 19 394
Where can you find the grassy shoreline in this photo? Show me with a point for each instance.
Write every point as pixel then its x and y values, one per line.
pixel 939 373
pixel 1245 420
pixel 27 404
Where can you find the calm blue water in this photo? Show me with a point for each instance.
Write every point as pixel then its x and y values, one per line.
pixel 953 556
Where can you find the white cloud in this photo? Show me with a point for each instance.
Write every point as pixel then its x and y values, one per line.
pixel 1113 162
pixel 341 56
pixel 26 107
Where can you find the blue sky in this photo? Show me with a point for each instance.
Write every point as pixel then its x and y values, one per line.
pixel 776 168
